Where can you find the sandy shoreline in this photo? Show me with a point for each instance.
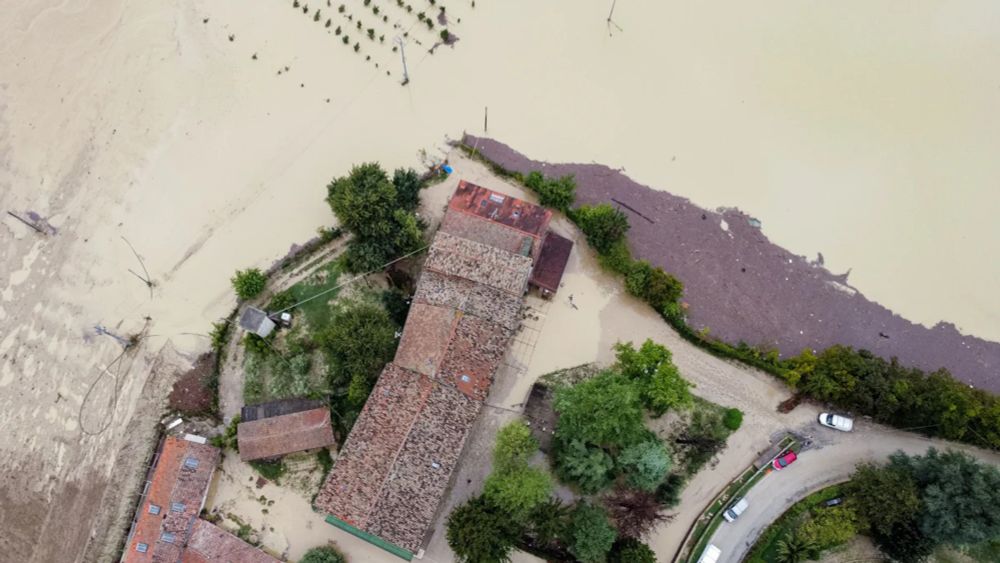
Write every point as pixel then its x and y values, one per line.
pixel 743 287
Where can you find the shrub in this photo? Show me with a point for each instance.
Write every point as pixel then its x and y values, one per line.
pixel 479 532
pixel 219 335
pixel 652 284
pixel 645 464
pixel 794 549
pixel 631 550
pixel 830 527
pixel 518 490
pixel 549 522
pixel 587 467
pixel 617 259
pixel 669 492
pixel 514 446
pixel 323 554
pixel 227 440
pixel 444 35
pixel 592 534
pixel 602 224
pixel 248 283
pixel 557 193
pixel 733 419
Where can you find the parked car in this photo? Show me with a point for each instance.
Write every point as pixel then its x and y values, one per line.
pixel 736 509
pixel 836 422
pixel 710 555
pixel 833 502
pixel 784 461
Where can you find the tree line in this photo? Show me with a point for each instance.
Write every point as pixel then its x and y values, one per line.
pixel 934 404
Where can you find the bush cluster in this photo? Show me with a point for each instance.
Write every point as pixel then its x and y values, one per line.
pixel 248 283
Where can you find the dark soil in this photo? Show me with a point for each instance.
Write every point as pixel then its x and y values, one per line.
pixel 743 287
pixel 192 393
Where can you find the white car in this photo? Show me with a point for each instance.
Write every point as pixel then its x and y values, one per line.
pixel 737 508
pixel 710 555
pixel 836 422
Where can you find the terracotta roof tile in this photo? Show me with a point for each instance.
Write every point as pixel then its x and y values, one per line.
pixel 285 434
pixel 500 208
pixel 551 264
pixel 211 544
pixel 478 262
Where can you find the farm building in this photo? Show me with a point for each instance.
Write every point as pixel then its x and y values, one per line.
pixel 274 436
pixel 396 464
pixel 166 525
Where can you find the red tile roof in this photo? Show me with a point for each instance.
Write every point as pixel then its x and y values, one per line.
pixel 211 544
pixel 396 464
pixel 500 208
pixel 177 488
pixel 551 264
pixel 284 434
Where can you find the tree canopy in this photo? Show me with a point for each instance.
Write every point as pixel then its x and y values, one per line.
pixel 659 380
pixel 479 532
pixel 514 446
pixel 360 340
pixel 592 534
pixel 602 224
pixel 645 464
pixel 557 193
pixel 378 213
pixel 605 410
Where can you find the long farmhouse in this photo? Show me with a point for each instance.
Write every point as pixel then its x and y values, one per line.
pixel 397 462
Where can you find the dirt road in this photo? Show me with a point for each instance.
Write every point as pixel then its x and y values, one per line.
pixel 831 460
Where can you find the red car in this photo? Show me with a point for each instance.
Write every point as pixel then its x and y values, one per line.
pixel 784 461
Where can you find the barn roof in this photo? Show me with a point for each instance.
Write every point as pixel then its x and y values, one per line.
pixel 551 264
pixel 284 434
pixel 211 544
pixel 500 208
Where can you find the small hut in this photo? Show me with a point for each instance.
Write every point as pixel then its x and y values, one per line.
pixel 256 321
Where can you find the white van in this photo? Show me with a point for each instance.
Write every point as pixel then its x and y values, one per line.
pixel 736 509
pixel 710 555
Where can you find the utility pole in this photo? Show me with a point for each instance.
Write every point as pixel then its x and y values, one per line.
pixel 486 116
pixel 610 21
pixel 402 53
pixel 26 222
pixel 103 331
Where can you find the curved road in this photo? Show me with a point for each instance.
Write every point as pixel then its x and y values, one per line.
pixel 831 459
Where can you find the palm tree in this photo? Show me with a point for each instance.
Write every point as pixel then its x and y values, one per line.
pixel 794 549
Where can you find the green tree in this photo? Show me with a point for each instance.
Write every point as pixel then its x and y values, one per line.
pixel 605 410
pixel 645 464
pixel 360 340
pixel 549 522
pixel 830 527
pixel 323 554
pixel 587 467
pixel 519 490
pixel 960 496
pixel 602 224
pixel 885 497
pixel 248 283
pixel 652 284
pixel 479 532
pixel 631 550
pixel 652 367
pixel 408 185
pixel 592 534
pixel 557 193
pixel 514 446
pixel 794 549
pixel 368 205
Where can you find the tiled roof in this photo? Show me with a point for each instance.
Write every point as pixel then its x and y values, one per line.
pixel 477 228
pixel 469 297
pixel 211 544
pixel 177 489
pixel 478 262
pixel 426 335
pixel 397 462
pixel 284 434
pixel 500 208
pixel 369 453
pixel 551 264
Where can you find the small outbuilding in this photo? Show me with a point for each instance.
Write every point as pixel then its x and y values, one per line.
pixel 256 321
pixel 548 271
pixel 275 436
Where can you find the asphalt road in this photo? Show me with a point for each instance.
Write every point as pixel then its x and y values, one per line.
pixel 831 459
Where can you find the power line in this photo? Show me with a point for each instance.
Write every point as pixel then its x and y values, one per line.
pixel 352 280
